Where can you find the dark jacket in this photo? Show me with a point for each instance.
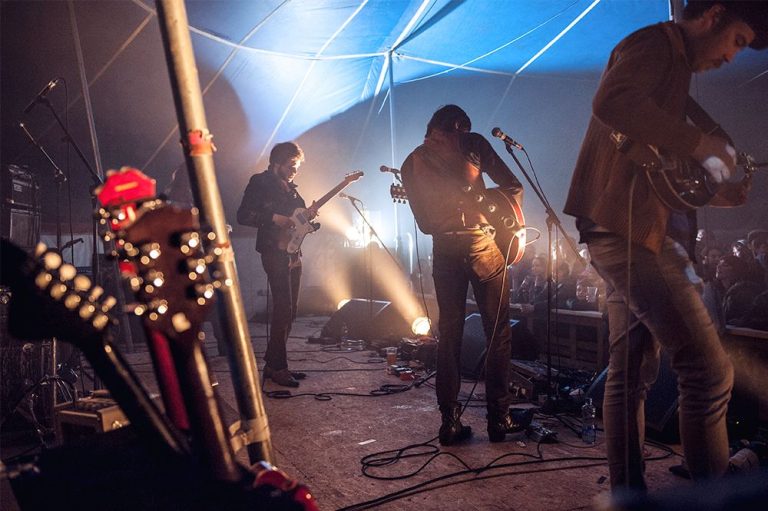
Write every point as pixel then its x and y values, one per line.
pixel 434 174
pixel 642 94
pixel 265 195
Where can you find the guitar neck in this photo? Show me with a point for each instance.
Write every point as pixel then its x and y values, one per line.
pixel 328 196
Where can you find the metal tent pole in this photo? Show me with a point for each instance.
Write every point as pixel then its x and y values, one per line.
pixel 198 146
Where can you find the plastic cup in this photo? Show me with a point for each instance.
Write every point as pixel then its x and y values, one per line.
pixel 391 355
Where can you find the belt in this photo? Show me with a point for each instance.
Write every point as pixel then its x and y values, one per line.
pixel 466 232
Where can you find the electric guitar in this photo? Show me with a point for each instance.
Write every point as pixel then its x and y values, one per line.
pixel 121 196
pixel 502 209
pixel 302 219
pixel 69 306
pixel 682 184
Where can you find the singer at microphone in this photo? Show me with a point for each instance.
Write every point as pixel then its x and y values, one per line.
pixel 496 132
pixel 41 95
pixel 346 196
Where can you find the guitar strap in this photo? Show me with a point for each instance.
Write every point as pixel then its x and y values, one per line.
pixel 702 119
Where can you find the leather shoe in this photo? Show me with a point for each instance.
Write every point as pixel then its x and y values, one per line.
pixel 513 421
pixel 297 375
pixel 281 377
pixel 452 431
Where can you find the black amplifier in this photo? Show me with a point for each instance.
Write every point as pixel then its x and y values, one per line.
pixel 20 188
pixel 20 206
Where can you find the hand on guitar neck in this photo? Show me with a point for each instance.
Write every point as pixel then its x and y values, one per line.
pixel 717 157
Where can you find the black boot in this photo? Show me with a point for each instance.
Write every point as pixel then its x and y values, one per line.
pixel 452 431
pixel 511 422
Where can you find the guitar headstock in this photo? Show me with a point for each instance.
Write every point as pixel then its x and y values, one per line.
pixel 120 196
pixel 748 162
pixel 353 176
pixel 62 302
pixel 171 280
pixel 398 193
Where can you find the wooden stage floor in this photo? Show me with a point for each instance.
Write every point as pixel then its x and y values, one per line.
pixel 338 416
pixel 322 441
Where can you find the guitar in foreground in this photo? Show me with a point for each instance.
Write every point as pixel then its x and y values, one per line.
pixel 501 207
pixel 302 217
pixel 682 184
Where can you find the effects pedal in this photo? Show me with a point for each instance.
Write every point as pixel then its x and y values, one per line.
pixel 540 434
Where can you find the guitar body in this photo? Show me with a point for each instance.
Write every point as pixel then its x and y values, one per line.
pixel 292 239
pixel 501 206
pixel 682 185
pixel 508 220
pixel 302 226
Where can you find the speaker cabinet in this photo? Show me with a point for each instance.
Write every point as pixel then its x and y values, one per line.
pixel 376 321
pixel 357 315
pixel 524 344
pixel 20 207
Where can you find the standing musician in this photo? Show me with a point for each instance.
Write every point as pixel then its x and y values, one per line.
pixel 464 252
pixel 643 94
pixel 268 203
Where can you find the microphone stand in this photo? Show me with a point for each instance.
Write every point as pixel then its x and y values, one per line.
pixel 370 262
pixel 96 264
pixel 552 220
pixel 58 177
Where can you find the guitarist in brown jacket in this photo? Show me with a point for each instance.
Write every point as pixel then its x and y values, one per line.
pixel 643 94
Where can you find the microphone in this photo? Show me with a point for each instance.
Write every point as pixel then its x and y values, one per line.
pixel 42 94
pixel 346 196
pixel 384 168
pixel 496 132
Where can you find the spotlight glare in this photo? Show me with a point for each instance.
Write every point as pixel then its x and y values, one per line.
pixel 342 303
pixel 421 326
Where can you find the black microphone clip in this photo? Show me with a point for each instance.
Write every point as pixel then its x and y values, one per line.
pixel 42 94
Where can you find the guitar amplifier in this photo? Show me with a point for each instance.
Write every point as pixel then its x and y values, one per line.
pixel 20 206
pixel 84 417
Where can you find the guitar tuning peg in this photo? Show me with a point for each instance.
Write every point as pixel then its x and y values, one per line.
pixel 108 303
pixel 51 260
pixel 86 311
pixel 82 283
pixel 72 301
pixel 100 321
pixel 43 279
pixel 95 293
pixel 40 249
pixel 58 290
pixel 137 309
pixel 135 283
pixel 491 207
pixel 67 272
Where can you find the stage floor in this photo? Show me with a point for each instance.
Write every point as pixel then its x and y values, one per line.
pixel 322 430
pixel 321 442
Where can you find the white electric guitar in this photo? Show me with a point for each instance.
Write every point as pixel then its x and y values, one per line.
pixel 302 217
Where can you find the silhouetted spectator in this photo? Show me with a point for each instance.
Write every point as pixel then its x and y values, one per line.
pixel 730 295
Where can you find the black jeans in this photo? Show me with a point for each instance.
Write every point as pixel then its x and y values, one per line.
pixel 459 260
pixel 284 279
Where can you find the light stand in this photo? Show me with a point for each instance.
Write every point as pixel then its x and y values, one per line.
pixel 552 220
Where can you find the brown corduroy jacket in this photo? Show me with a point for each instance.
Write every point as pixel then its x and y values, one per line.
pixel 642 94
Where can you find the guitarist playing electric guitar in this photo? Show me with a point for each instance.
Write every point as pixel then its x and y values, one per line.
pixel 272 204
